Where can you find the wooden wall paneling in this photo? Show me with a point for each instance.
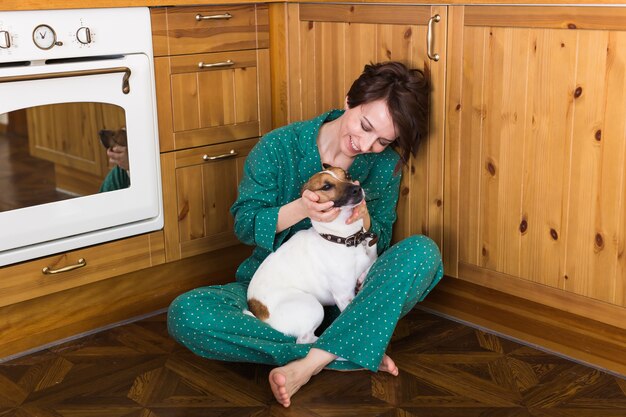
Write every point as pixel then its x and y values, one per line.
pixel 469 140
pixel 452 144
pixel 541 179
pixel 502 156
pixel 264 85
pixel 308 87
pixel 571 17
pixel 434 180
pixel 597 174
pixel 620 273
pixel 56 316
pixel 547 144
pixel 278 52
pixel 296 71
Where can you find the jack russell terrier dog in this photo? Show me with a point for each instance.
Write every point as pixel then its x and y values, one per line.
pixel 319 266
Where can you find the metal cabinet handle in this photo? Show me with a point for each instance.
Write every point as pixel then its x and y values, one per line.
pixel 429 37
pixel 226 63
pixel 222 156
pixel 81 262
pixel 226 16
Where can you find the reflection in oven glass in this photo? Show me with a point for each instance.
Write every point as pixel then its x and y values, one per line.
pixel 60 151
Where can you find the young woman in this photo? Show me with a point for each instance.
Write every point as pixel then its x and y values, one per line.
pixel 386 107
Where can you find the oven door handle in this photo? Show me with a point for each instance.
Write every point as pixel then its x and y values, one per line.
pixel 52 75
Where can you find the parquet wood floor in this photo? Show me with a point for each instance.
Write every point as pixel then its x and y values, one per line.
pixel 446 369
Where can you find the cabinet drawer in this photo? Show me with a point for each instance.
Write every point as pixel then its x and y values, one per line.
pixel 188 30
pixel 27 280
pixel 199 187
pixel 205 99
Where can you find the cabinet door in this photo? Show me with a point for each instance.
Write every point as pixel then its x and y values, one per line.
pixel 199 186
pixel 535 135
pixel 212 98
pixel 329 44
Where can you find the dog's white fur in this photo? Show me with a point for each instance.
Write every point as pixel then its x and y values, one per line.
pixel 308 272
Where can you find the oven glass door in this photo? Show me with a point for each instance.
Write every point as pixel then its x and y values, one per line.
pixel 85 168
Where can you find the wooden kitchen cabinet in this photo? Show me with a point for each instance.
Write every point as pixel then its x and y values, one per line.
pixel 535 199
pixel 212 74
pixel 329 44
pixel 203 183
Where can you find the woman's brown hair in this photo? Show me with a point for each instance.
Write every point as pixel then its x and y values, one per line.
pixel 406 92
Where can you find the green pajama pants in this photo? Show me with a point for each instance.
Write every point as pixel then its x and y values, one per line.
pixel 211 323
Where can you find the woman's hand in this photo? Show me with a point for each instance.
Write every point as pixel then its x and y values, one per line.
pixel 319 212
pixel 118 155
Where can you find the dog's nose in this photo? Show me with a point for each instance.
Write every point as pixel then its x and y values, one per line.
pixel 356 190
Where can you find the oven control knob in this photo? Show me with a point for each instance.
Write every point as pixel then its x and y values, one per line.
pixel 5 39
pixel 84 35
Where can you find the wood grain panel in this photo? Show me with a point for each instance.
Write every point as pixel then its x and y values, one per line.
pixel 541 177
pixel 452 152
pixel 472 115
pixel 198 195
pixel 362 13
pixel 278 52
pixel 165 113
pixel 25 281
pixel 188 35
pixel 59 315
pixel 264 84
pixel 158 21
pixel 603 18
pixel 596 203
pixel 212 105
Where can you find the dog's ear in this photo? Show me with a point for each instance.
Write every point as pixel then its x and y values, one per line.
pixel 326 166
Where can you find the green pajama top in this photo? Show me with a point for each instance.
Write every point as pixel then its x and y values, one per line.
pixel 274 173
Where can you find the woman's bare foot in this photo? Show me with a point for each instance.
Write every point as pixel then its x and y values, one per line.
pixel 286 380
pixel 388 365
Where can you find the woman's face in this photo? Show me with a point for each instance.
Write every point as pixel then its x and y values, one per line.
pixel 366 128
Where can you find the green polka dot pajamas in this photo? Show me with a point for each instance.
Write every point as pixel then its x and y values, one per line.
pixel 210 320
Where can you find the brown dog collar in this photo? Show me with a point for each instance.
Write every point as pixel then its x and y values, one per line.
pixel 352 240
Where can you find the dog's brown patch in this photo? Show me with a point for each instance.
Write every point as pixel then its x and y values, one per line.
pixel 259 309
pixel 328 187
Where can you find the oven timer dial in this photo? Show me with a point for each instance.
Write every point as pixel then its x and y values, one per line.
pixel 45 37
pixel 83 35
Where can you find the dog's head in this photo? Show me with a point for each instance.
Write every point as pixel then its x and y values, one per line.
pixel 109 138
pixel 334 184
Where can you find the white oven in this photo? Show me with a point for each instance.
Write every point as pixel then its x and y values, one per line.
pixel 72 76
